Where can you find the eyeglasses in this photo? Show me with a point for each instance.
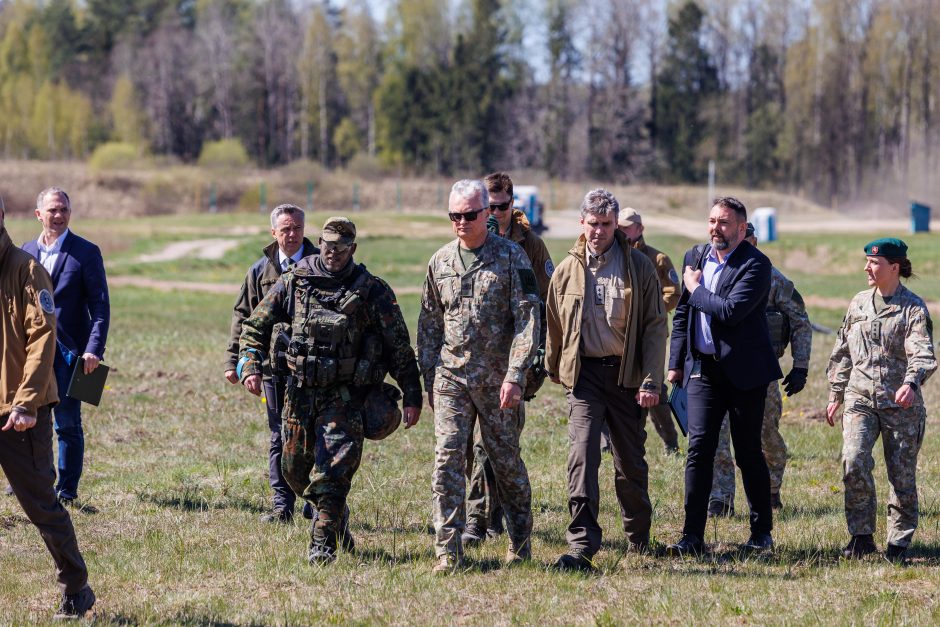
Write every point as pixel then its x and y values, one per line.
pixel 334 246
pixel 468 216
pixel 503 207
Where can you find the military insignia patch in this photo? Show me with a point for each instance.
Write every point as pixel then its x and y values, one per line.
pixel 527 278
pixel 674 276
pixel 549 268
pixel 45 301
pixel 874 250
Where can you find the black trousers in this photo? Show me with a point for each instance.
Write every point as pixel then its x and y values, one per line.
pixel 710 397
pixel 274 401
pixel 26 459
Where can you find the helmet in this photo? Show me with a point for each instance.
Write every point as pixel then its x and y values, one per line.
pixel 381 414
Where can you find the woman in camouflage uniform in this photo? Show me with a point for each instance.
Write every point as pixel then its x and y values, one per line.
pixel 883 355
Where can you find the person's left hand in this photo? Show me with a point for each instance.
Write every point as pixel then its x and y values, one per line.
pixel 647 399
pixel 91 362
pixel 905 396
pixel 411 415
pixel 18 421
pixel 691 278
pixel 509 395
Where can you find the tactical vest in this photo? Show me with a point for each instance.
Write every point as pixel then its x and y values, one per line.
pixel 779 325
pixel 330 343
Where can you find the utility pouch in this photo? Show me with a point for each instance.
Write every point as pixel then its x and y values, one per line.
pixel 369 356
pixel 327 371
pixel 779 326
pixel 328 328
pixel 350 303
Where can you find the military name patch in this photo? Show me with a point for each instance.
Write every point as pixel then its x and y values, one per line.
pixel 527 278
pixel 549 268
pixel 673 276
pixel 45 301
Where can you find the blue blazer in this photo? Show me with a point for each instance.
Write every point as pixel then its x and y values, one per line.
pixel 738 320
pixel 82 308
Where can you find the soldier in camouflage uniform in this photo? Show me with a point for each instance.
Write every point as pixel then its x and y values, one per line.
pixel 789 324
pixel 882 356
pixel 478 330
pixel 484 511
pixel 347 332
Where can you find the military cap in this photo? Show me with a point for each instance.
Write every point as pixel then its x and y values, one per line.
pixel 629 216
pixel 890 247
pixel 749 231
pixel 339 229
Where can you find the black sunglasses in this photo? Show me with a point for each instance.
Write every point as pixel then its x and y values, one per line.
pixel 468 216
pixel 503 207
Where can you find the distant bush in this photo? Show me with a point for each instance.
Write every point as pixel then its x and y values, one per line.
pixel 366 167
pixel 114 155
pixel 223 153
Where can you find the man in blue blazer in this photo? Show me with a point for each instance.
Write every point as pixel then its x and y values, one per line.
pixel 722 354
pixel 82 316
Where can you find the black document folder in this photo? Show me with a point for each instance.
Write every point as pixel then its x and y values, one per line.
pixel 87 387
pixel 678 403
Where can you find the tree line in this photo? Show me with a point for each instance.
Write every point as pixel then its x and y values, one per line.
pixel 833 98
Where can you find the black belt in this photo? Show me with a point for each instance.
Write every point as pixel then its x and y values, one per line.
pixel 699 356
pixel 610 361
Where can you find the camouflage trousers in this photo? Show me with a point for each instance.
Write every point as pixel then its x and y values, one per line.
pixel 775 450
pixel 901 431
pixel 455 407
pixel 484 508
pixel 322 433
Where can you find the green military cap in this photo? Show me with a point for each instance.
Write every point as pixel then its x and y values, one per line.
pixel 339 229
pixel 886 247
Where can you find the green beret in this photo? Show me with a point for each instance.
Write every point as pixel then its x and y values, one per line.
pixel 886 247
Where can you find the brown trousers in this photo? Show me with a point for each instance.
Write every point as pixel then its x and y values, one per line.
pixel 26 459
pixel 595 399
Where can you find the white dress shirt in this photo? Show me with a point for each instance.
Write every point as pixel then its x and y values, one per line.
pixel 48 255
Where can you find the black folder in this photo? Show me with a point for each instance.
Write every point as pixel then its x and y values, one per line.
pixel 87 387
pixel 679 403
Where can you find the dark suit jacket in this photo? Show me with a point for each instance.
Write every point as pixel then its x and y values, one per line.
pixel 82 308
pixel 738 322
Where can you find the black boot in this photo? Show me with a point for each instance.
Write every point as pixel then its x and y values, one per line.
pixel 859 546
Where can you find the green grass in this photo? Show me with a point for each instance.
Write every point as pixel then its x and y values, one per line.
pixel 176 477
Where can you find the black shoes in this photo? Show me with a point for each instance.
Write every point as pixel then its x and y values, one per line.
pixel 472 536
pixel 775 502
pixel 278 516
pixel 896 554
pixel 672 450
pixel 574 561
pixel 720 509
pixel 859 546
pixel 75 606
pixel 687 545
pixel 758 543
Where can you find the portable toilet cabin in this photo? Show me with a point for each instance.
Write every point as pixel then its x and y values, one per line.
pixel 920 218
pixel 526 198
pixel 764 220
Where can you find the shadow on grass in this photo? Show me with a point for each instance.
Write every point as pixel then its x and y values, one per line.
pixel 371 527
pixel 193 502
pixel 405 556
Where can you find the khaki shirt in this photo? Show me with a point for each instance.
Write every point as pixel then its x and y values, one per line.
pixel 604 318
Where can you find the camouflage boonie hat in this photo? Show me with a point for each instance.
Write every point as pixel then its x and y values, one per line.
pixel 886 247
pixel 339 229
pixel 381 415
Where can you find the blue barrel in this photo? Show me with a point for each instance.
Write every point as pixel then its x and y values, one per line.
pixel 920 218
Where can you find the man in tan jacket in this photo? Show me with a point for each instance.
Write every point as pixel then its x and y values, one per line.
pixel 27 394
pixel 606 344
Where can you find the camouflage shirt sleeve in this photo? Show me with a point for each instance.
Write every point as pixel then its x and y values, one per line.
pixel 400 356
pixel 918 344
pixel 524 303
pixel 840 363
pixel 790 303
pixel 430 329
pixel 240 311
pixel 256 328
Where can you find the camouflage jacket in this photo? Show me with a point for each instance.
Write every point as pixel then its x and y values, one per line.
pixel 785 298
pixel 481 325
pixel 382 313
pixel 875 354
pixel 535 249
pixel 668 278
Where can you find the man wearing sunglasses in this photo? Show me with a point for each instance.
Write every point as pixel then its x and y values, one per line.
pixel 478 331
pixel 347 332
pixel 484 511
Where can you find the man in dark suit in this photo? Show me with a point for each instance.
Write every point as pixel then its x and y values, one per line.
pixel 722 354
pixel 82 316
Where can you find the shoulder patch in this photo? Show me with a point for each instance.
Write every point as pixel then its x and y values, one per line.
pixel 673 276
pixel 45 301
pixel 527 278
pixel 549 268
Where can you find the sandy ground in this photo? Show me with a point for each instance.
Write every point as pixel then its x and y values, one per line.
pixel 198 248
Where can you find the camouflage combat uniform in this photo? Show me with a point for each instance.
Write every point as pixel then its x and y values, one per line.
pixel 784 300
pixel 478 328
pixel 322 423
pixel 874 355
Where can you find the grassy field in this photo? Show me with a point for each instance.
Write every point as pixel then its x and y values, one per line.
pixel 176 479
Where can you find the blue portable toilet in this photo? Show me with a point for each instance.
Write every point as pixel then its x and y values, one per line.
pixel 765 224
pixel 920 218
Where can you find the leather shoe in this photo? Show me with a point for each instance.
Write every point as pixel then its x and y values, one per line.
pixel 859 546
pixel 76 605
pixel 687 545
pixel 720 509
pixel 574 561
pixel 775 502
pixel 758 542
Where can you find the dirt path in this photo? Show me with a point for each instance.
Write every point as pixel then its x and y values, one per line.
pixel 211 288
pixel 198 248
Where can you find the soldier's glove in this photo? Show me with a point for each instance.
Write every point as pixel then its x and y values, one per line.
pixel 794 382
pixel 492 225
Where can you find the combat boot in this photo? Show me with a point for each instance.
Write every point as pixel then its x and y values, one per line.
pixel 448 564
pixel 720 509
pixel 472 536
pixel 519 552
pixel 896 553
pixel 859 546
pixel 75 606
